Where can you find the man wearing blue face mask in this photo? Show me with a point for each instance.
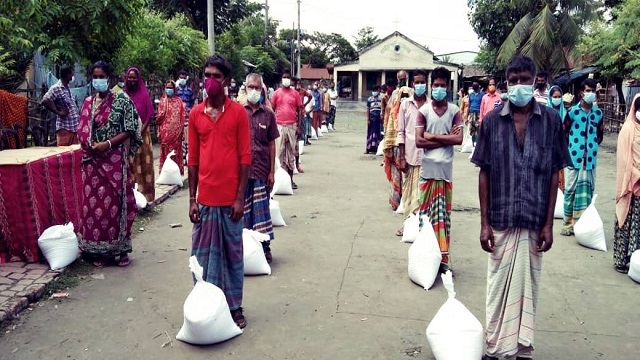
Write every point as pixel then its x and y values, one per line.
pixel 438 129
pixel 520 150
pixel 374 109
pixel 184 92
pixel 410 155
pixel 585 128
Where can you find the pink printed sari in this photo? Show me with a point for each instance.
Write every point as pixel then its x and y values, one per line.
pixel 109 206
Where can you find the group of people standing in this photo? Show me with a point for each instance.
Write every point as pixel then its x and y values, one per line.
pixel 530 142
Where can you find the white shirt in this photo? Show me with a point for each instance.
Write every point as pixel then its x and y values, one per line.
pixel 334 97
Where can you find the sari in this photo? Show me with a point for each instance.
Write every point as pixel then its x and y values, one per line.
pixel 143 161
pixel 108 206
pixel 171 118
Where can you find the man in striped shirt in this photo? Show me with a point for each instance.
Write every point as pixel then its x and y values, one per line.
pixel 520 150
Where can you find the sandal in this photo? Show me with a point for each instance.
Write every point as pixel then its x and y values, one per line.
pixel 400 232
pixel 566 232
pixel 622 269
pixel 124 261
pixel 99 263
pixel 239 318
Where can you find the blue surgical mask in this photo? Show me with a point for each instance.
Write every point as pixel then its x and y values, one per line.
pixel 182 82
pixel 101 85
pixel 438 93
pixel 169 92
pixel 261 99
pixel 589 97
pixel 121 85
pixel 374 93
pixel 520 95
pixel 420 89
pixel 556 101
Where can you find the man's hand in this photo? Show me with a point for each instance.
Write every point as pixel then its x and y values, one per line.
pixel 457 130
pixel 194 212
pixel 402 166
pixel 486 239
pixel 429 136
pixel 64 112
pixel 545 241
pixel 237 210
pixel 270 180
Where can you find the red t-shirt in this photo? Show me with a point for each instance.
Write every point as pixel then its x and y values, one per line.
pixel 218 148
pixel 286 102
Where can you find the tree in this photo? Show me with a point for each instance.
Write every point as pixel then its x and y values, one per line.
pixel 365 38
pixel 63 30
pixel 615 49
pixel 160 46
pixel 548 32
pixel 336 48
pixel 226 12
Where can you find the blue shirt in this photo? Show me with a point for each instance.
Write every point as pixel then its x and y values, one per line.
pixel 583 136
pixel 186 95
pixel 317 96
pixel 474 101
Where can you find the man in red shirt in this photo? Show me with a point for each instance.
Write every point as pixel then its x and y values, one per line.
pixel 219 162
pixel 287 105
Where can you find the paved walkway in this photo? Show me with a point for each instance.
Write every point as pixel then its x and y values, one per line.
pixel 339 287
pixel 22 284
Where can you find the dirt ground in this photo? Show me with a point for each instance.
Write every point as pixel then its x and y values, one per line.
pixel 339 288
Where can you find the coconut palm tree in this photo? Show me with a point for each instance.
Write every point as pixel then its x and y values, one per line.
pixel 548 32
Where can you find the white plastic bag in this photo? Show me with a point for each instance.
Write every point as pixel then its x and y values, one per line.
pixel 471 154
pixel 59 245
pixel 411 228
pixel 330 127
pixel 314 135
pixel 276 214
pixel 320 134
pixel 467 145
pixel 589 229
pixel 400 208
pixel 455 333
pixel 282 183
pixel 634 266
pixel 558 212
pixel 380 151
pixel 170 173
pixel 255 262
pixel 141 201
pixel 324 129
pixel 300 147
pixel 207 319
pixel 424 257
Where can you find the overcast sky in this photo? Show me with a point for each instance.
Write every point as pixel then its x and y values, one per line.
pixel 440 24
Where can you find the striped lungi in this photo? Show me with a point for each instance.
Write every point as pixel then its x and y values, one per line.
pixel 410 192
pixel 217 244
pixel 513 279
pixel 257 216
pixel 435 202
pixel 286 146
pixel 579 185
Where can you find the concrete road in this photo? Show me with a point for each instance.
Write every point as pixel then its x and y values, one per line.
pixel 339 288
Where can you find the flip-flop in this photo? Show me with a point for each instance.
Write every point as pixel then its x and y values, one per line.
pixel 400 232
pixel 124 261
pixel 99 263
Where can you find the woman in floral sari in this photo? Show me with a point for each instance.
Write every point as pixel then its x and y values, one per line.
pixel 143 161
pixel 109 132
pixel 171 117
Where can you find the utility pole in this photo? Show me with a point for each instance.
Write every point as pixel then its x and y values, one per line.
pixel 210 29
pixel 298 44
pixel 293 53
pixel 266 23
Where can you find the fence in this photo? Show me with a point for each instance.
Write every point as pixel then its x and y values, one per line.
pixel 614 115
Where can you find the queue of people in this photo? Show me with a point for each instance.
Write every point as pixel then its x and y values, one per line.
pixel 552 143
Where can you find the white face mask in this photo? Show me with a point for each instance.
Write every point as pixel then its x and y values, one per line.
pixel 638 115
pixel 253 96
pixel 286 82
